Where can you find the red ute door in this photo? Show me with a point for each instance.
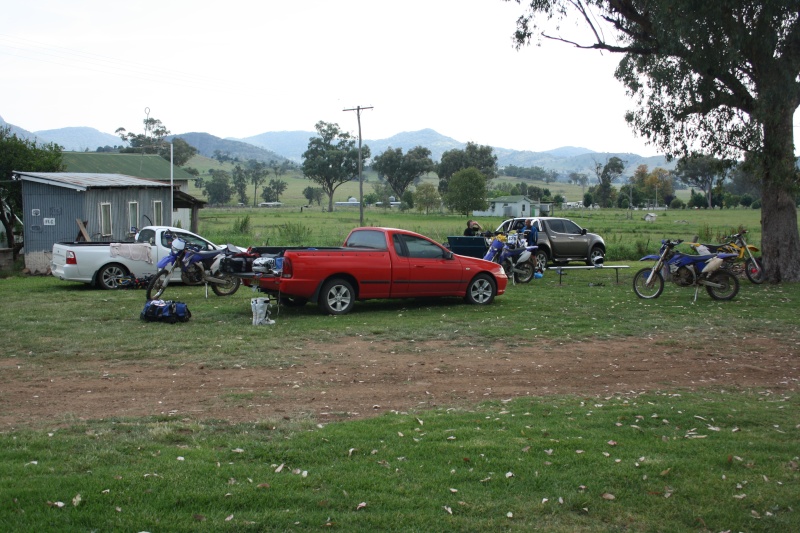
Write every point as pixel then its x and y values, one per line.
pixel 429 272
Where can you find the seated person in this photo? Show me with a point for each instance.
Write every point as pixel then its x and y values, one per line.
pixel 473 229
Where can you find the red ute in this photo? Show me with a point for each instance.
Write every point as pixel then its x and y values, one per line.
pixel 382 263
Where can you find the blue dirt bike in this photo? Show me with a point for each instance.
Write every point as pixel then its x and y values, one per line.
pixel 512 252
pixel 685 271
pixel 196 267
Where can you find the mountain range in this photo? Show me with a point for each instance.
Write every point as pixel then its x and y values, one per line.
pixel 290 145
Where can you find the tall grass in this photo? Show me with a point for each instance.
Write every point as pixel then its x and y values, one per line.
pixel 292 233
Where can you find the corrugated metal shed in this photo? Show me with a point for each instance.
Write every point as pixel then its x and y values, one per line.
pixel 83 181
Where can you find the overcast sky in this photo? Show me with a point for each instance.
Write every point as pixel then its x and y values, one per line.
pixel 240 68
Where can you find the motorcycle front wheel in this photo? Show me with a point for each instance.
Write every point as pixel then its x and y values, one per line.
pixel 754 270
pixel 524 271
pixel 508 268
pixel 230 286
pixel 158 284
pixel 641 287
pixel 728 285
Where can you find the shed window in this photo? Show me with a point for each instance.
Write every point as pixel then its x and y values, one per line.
pixel 105 219
pixel 158 213
pixel 133 216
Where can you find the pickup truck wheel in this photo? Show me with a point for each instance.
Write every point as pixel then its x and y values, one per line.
pixel 481 290
pixel 108 277
pixel 540 260
pixel 337 297
pixel 594 255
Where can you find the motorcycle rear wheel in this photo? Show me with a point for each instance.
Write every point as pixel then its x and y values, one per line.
pixel 642 289
pixel 754 270
pixel 524 271
pixel 158 284
pixel 729 285
pixel 230 286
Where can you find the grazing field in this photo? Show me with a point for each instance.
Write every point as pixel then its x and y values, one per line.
pixel 570 406
pixel 628 236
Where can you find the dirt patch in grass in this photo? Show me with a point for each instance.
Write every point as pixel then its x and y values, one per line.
pixel 358 378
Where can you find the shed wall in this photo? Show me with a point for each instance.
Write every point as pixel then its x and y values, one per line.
pixel 119 199
pixel 50 213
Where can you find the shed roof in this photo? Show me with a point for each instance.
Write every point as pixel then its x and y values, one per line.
pixel 148 166
pixel 510 199
pixel 81 181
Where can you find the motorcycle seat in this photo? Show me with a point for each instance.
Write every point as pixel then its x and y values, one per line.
pixel 207 254
pixel 707 257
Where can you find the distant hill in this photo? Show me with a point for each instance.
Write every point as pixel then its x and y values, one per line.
pixel 290 144
pixel 19 132
pixel 293 144
pixel 564 160
pixel 80 139
pixel 407 140
pixel 583 162
pixel 283 145
pixel 207 144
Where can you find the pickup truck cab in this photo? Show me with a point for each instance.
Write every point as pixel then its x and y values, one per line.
pixel 381 263
pixel 560 240
pixel 103 264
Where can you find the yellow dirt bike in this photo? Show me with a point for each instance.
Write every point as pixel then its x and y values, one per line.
pixel 753 268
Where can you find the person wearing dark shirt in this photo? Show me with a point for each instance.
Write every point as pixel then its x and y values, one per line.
pixel 473 229
pixel 530 232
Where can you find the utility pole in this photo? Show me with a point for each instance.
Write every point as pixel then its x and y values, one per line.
pixel 630 198
pixel 656 194
pixel 358 110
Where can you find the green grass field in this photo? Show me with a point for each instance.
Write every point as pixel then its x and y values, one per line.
pixel 705 458
pixel 628 237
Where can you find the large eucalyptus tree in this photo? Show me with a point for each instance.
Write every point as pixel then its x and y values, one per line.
pixel 720 77
pixel 332 158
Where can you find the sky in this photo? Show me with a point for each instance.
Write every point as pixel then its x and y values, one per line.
pixel 241 68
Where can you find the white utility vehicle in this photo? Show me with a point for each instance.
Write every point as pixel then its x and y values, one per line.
pixel 104 264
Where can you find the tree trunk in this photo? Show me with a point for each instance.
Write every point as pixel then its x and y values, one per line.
pixel 780 242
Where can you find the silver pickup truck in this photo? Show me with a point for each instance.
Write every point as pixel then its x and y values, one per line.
pixel 103 264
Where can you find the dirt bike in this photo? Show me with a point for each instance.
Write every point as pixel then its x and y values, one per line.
pixel 196 267
pixel 753 268
pixel 686 271
pixel 514 255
